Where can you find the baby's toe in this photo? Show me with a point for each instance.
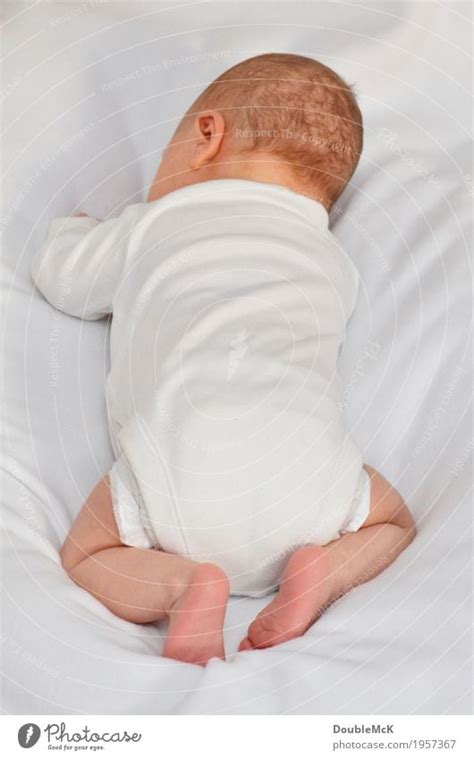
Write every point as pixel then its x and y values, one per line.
pixel 267 630
pixel 245 645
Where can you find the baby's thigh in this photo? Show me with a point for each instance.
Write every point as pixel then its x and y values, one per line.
pixel 386 503
pixel 94 529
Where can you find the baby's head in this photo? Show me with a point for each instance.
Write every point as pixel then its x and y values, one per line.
pixel 276 118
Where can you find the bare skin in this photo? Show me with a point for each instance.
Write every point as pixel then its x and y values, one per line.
pixel 201 150
pixel 316 576
pixel 144 585
pixel 147 585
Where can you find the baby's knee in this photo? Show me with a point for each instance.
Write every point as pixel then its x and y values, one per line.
pixel 211 574
pixel 69 556
pixel 410 526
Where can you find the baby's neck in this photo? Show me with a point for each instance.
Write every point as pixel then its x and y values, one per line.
pixel 267 170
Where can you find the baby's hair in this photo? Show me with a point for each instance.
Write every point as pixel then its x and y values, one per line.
pixel 294 108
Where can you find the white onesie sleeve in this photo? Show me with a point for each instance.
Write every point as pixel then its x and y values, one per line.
pixel 79 266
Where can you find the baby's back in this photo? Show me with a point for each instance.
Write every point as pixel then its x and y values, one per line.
pixel 223 393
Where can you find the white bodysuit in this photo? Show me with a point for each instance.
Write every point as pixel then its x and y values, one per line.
pixel 230 301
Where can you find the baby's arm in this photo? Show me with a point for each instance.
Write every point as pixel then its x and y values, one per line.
pixel 316 576
pixel 79 266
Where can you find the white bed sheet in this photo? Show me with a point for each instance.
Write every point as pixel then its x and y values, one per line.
pixel 91 92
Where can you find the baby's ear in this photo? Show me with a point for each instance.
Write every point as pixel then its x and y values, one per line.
pixel 209 128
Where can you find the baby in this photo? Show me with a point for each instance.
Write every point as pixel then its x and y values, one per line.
pixel 234 471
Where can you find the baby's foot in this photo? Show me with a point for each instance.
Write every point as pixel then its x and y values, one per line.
pixel 306 590
pixel 197 617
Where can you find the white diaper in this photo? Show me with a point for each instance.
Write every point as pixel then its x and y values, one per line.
pixel 129 512
pixel 251 573
pixel 360 505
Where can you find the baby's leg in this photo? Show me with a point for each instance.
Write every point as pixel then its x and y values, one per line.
pixel 144 585
pixel 316 576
